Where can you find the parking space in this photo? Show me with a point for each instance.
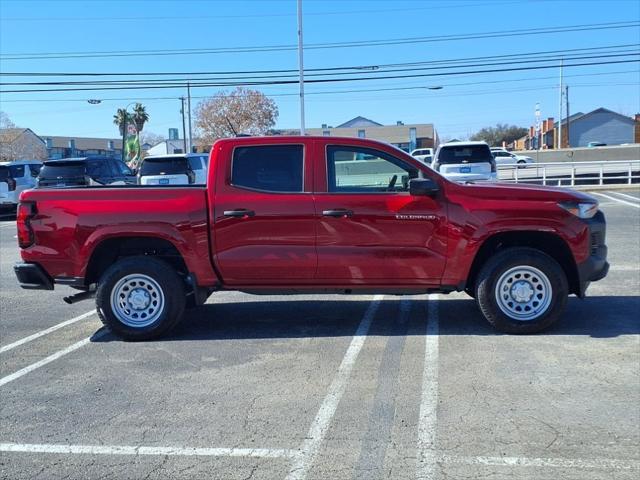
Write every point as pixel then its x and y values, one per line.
pixel 327 387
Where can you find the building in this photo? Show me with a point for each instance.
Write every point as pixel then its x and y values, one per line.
pixel 167 147
pixel 407 137
pixel 578 130
pixel 21 144
pixel 69 147
pixel 600 125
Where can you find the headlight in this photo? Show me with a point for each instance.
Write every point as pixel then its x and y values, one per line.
pixel 580 209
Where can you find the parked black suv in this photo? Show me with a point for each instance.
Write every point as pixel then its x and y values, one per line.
pixel 80 172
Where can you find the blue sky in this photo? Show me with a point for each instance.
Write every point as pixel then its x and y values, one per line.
pixel 464 104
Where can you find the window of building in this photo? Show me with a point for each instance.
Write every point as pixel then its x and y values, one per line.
pixel 365 170
pixel 326 133
pixel 361 134
pixel 269 168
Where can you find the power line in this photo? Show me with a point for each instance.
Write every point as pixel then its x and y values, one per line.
pixel 262 15
pixel 363 43
pixel 529 55
pixel 333 92
pixel 181 81
pixel 324 80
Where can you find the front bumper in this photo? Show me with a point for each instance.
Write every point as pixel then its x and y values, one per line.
pixel 596 266
pixel 32 276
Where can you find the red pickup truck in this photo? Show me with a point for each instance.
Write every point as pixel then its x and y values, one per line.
pixel 312 215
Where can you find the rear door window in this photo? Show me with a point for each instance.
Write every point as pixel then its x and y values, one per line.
pixel 268 168
pixel 195 163
pixel 17 171
pixel 4 172
pixel 34 168
pixel 99 169
pixel 465 154
pixel 164 166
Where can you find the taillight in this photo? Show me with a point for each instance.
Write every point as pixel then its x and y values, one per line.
pixel 26 211
pixel 11 182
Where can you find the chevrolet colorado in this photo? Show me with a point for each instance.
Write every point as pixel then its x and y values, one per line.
pixel 311 215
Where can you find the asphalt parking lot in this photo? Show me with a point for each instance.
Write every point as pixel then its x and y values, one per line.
pixel 327 387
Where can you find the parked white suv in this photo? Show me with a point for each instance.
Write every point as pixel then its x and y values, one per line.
pixel 465 161
pixel 504 157
pixel 16 177
pixel 425 155
pixel 177 169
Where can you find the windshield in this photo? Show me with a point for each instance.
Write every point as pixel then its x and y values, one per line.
pixel 465 154
pixel 164 166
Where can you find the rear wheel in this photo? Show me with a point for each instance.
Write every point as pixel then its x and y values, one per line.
pixel 140 298
pixel 521 290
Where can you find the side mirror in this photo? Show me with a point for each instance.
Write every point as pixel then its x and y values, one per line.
pixel 423 187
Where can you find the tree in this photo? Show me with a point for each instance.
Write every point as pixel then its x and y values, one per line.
pixel 494 136
pixel 151 138
pixel 118 119
pixel 140 116
pixel 227 114
pixel 5 121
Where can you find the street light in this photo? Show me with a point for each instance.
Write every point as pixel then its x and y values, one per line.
pixel 435 87
pixel 94 101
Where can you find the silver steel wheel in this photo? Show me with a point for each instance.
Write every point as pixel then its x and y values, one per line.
pixel 523 293
pixel 137 300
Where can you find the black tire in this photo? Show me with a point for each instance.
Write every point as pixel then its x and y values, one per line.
pixel 504 262
pixel 171 291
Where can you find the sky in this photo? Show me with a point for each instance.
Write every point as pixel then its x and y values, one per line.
pixel 457 104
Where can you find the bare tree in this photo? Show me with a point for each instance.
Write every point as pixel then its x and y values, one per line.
pixel 151 138
pixel 227 114
pixel 5 121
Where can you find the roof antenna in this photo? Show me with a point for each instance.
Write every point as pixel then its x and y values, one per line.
pixel 231 126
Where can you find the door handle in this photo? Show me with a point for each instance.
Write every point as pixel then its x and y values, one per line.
pixel 240 213
pixel 338 213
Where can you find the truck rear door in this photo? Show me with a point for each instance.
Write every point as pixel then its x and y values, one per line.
pixel 371 231
pixel 263 216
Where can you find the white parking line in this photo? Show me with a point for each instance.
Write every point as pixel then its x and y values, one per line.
pixel 630 197
pixel 309 448
pixel 637 205
pixel 571 463
pixel 140 450
pixel 427 459
pixel 50 358
pixel 47 331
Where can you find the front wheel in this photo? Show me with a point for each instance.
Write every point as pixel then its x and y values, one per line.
pixel 140 298
pixel 521 290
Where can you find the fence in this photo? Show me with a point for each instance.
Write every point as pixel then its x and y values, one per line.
pixel 622 172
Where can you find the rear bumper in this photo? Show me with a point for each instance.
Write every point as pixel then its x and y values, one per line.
pixel 32 276
pixel 596 266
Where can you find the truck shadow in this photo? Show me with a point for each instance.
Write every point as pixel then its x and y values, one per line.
pixel 255 318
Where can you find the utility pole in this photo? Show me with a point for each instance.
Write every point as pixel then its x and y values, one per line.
pixel 560 108
pixel 301 67
pixel 189 107
pixel 566 97
pixel 184 128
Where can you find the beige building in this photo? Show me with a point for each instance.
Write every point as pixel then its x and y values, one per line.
pixel 21 144
pixel 405 136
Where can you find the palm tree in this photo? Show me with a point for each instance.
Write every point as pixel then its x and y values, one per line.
pixel 140 116
pixel 119 119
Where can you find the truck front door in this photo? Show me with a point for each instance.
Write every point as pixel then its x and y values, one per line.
pixel 371 231
pixel 263 219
